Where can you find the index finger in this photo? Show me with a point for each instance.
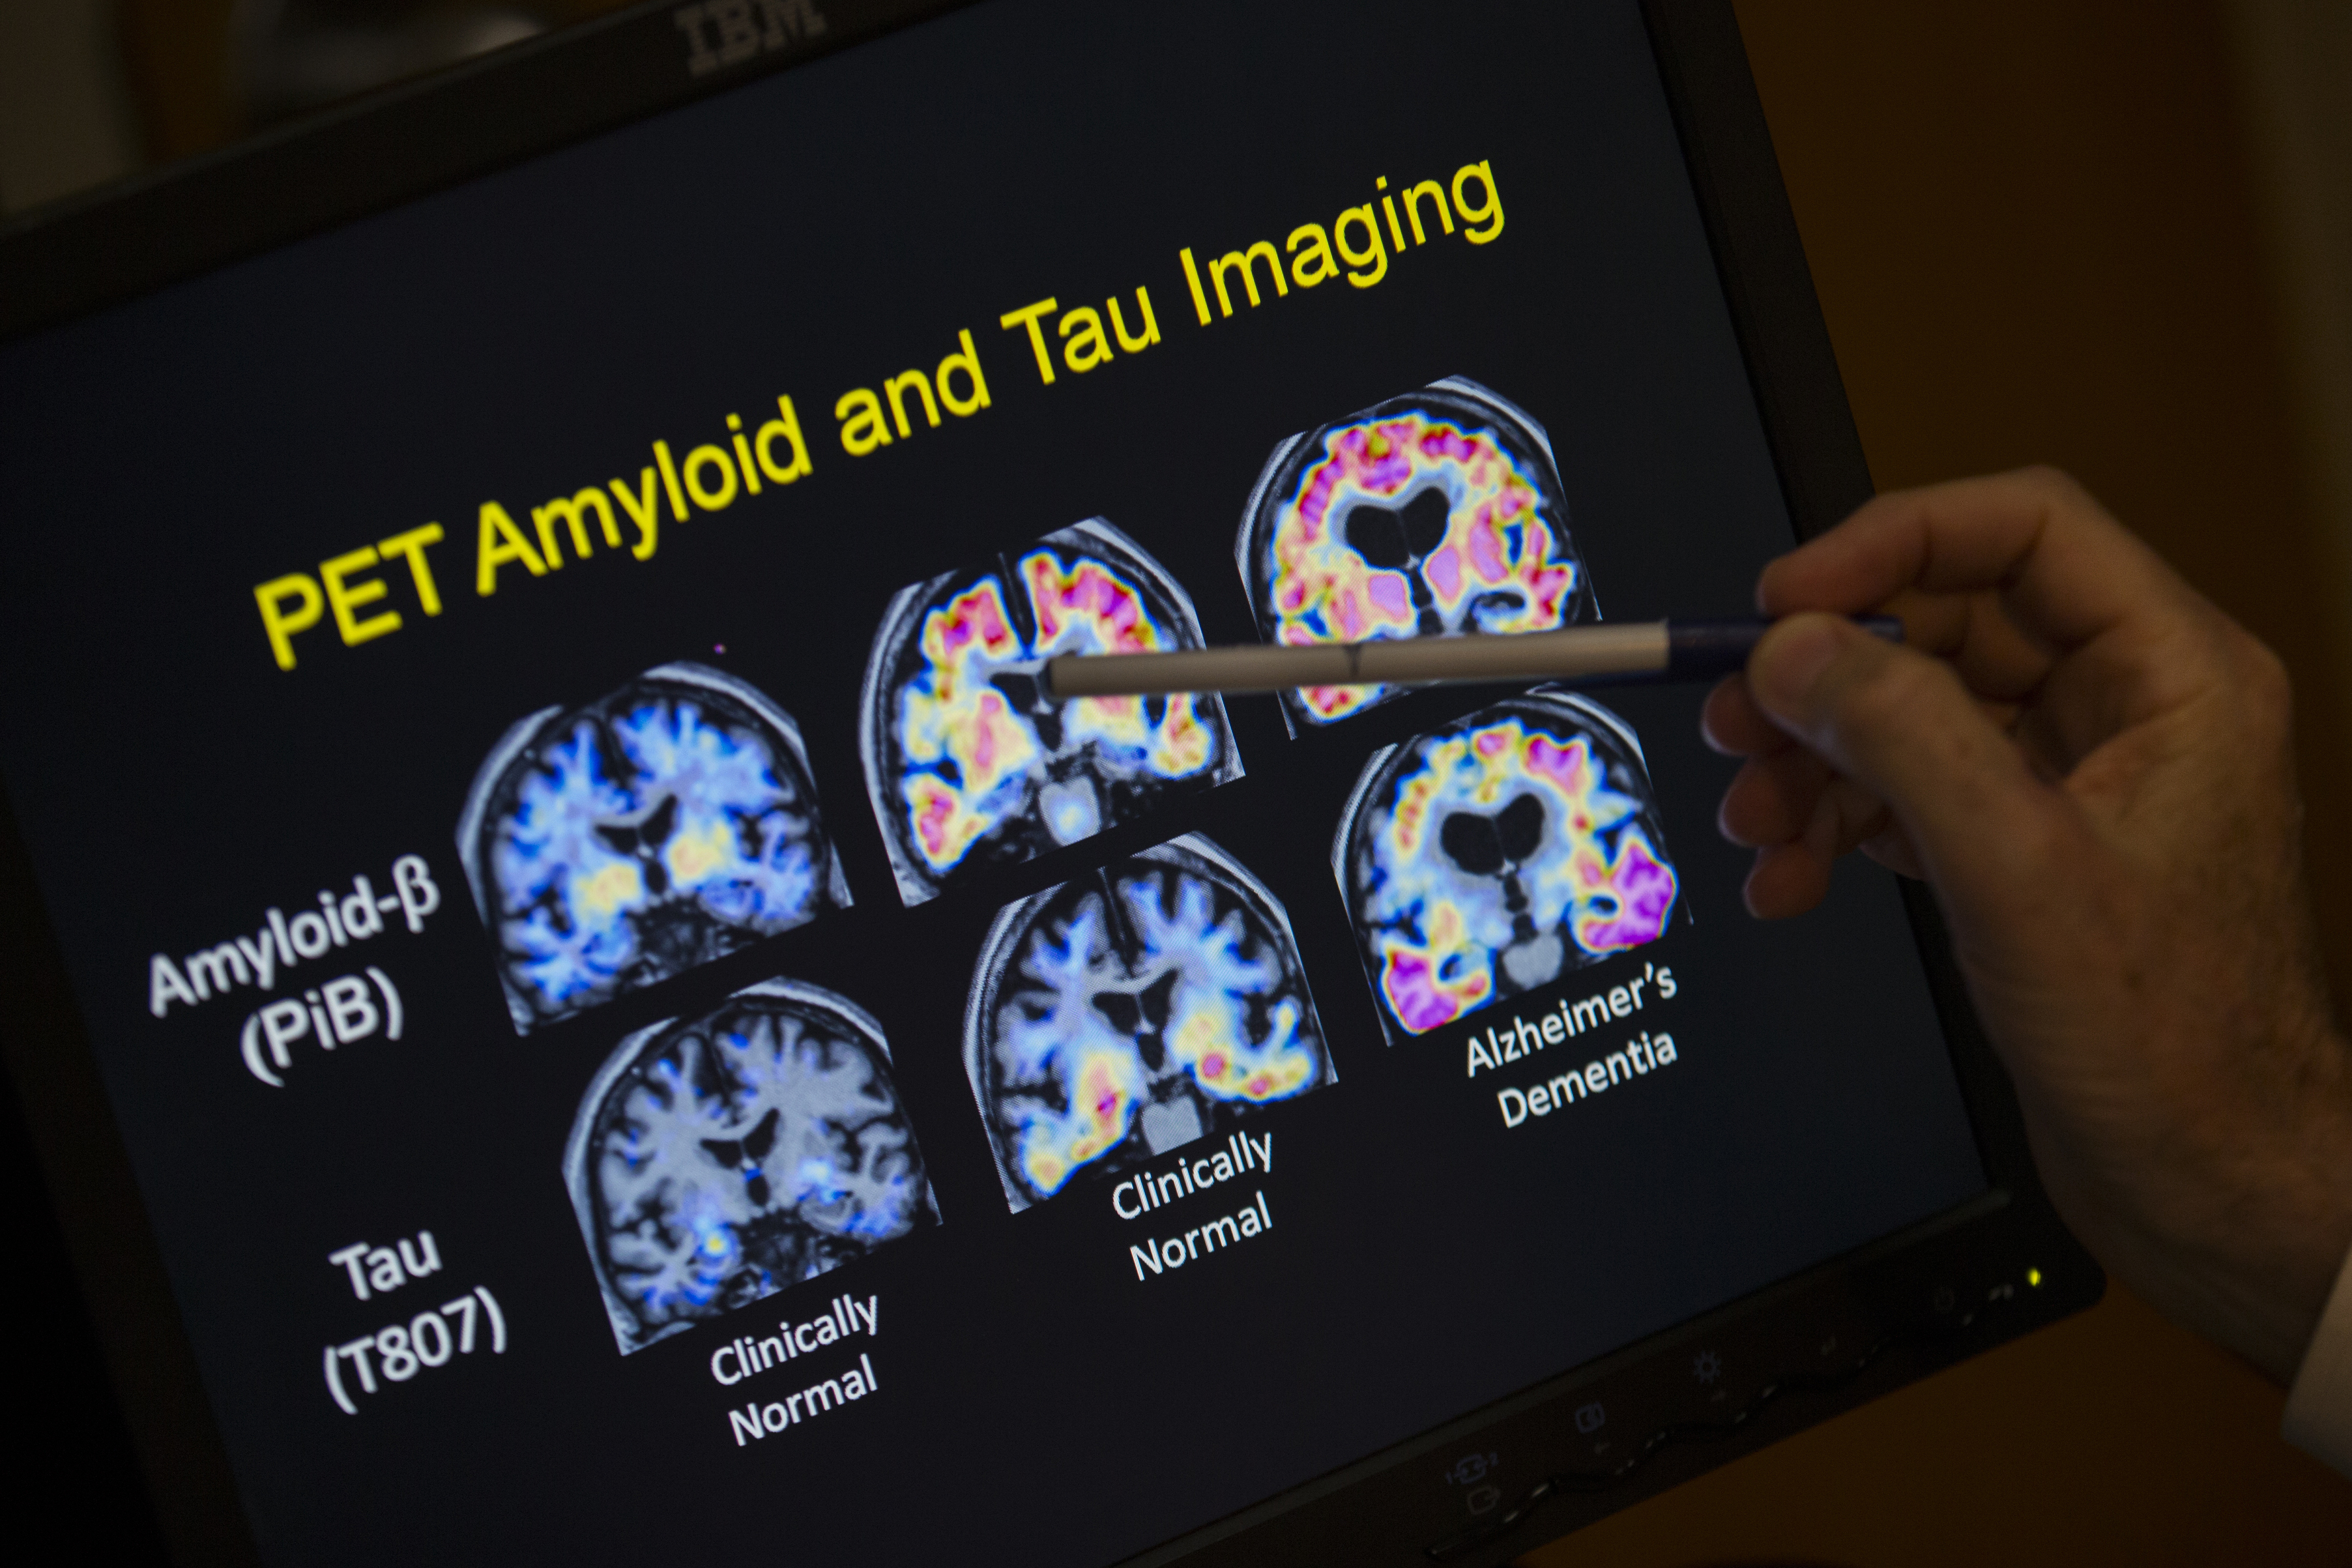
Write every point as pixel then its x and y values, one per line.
pixel 2065 571
pixel 2026 585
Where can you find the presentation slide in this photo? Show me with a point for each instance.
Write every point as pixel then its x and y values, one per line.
pixel 645 1029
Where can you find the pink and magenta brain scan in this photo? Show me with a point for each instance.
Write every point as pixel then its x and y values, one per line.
pixel 1134 1010
pixel 969 764
pixel 1433 514
pixel 665 824
pixel 1499 853
pixel 719 1159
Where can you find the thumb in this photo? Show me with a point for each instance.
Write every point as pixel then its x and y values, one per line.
pixel 1901 725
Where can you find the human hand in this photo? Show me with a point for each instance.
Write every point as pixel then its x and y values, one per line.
pixel 2091 766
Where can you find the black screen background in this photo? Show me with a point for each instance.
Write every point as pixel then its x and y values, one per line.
pixel 532 333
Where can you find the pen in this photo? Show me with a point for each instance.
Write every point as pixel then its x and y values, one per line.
pixel 1635 651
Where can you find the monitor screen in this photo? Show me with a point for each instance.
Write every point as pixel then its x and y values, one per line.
pixel 641 1025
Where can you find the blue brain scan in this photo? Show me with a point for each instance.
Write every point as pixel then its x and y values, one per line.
pixel 1134 1010
pixel 665 824
pixel 969 764
pixel 721 1159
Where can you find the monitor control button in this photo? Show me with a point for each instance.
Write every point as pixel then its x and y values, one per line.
pixel 1472 1468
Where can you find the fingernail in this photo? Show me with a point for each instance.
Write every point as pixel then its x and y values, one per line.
pixel 1789 662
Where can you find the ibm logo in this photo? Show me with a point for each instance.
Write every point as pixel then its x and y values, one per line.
pixel 727 32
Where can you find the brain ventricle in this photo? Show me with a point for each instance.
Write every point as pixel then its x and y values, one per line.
pixel 726 1157
pixel 665 824
pixel 972 763
pixel 1500 852
pixel 1136 1009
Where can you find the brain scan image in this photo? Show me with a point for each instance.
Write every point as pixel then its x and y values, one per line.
pixel 667 824
pixel 1498 854
pixel 1432 514
pixel 1133 1010
pixel 721 1159
pixel 968 765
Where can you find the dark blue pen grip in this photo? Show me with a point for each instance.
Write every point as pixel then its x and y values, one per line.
pixel 1707 651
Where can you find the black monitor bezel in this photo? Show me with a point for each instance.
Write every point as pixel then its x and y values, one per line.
pixel 1924 1292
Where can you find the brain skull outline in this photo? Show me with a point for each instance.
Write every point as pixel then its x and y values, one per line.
pixel 1431 514
pixel 720 1160
pixel 1133 1010
pixel 667 824
pixel 968 764
pixel 1498 853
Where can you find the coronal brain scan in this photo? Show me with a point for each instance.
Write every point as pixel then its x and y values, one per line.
pixel 1433 513
pixel 1133 1010
pixel 969 764
pixel 667 824
pixel 1499 853
pixel 721 1159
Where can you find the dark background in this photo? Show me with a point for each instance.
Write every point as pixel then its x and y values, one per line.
pixel 2110 234
pixel 806 234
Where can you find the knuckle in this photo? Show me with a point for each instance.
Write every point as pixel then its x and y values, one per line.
pixel 2058 490
pixel 2265 689
pixel 2266 672
pixel 2050 478
pixel 1890 691
pixel 1861 815
pixel 1753 813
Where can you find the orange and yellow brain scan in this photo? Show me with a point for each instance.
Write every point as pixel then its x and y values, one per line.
pixel 665 824
pixel 968 764
pixel 721 1159
pixel 1432 514
pixel 1496 854
pixel 1134 1010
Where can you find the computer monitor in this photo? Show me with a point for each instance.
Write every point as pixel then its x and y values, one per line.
pixel 567 945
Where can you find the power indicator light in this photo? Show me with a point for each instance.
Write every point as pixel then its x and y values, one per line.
pixel 2033 1277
